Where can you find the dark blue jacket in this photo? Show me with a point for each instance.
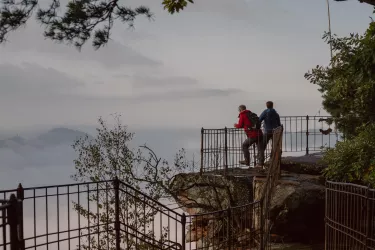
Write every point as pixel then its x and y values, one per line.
pixel 271 119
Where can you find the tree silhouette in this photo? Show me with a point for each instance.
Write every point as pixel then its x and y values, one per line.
pixel 80 20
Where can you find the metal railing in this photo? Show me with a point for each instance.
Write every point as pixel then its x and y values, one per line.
pixel 221 149
pixel 114 215
pixel 350 217
pixel 11 223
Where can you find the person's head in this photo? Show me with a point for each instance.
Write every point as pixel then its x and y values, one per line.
pixel 269 105
pixel 241 108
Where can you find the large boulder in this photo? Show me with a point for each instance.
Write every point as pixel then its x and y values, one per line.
pixel 207 193
pixel 297 208
pixel 307 164
pixel 209 197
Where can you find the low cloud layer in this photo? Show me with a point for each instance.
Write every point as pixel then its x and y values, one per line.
pixel 34 162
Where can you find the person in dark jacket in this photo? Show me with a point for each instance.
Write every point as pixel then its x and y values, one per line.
pixel 253 136
pixel 271 120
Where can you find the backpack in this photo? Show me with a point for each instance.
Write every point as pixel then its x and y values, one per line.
pixel 254 119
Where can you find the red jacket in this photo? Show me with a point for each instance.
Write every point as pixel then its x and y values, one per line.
pixel 245 123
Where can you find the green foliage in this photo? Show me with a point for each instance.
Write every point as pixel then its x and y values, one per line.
pixel 175 5
pixel 348 83
pixel 353 160
pixel 107 156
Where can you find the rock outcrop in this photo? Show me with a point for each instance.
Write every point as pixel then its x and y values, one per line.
pixel 297 206
pixel 207 193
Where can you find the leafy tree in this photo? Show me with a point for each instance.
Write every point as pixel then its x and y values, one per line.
pixel 348 90
pixel 348 83
pixel 109 156
pixel 80 21
pixel 353 160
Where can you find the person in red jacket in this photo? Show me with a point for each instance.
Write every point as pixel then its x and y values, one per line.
pixel 253 136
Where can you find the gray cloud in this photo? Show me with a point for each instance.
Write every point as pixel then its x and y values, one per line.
pixel 114 55
pixel 176 95
pixel 32 79
pixel 178 81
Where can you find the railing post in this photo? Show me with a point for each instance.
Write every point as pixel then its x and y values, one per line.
pixel 12 220
pixel 20 198
pixel 226 151
pixel 368 218
pixel 254 155
pixel 183 230
pixel 261 226
pixel 201 172
pixel 307 135
pixel 325 218
pixel 229 235
pixel 116 186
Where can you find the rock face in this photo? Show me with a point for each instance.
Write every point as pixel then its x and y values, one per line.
pixel 207 193
pixel 297 207
pixel 307 164
pixel 199 195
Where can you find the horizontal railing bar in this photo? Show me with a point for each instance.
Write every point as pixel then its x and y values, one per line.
pixel 335 228
pixel 67 231
pixel 347 192
pixel 348 184
pixel 65 239
pixel 346 227
pixel 152 200
pixel 5 206
pixel 55 186
pixel 70 193
pixel 140 233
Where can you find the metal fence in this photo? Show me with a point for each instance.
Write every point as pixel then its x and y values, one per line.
pixel 221 149
pixel 350 217
pixel 11 223
pixel 114 215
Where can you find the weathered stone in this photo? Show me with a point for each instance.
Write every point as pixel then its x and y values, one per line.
pixel 308 164
pixel 199 194
pixel 297 207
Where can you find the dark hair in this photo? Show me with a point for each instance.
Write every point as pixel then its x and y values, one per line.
pixel 269 104
pixel 242 107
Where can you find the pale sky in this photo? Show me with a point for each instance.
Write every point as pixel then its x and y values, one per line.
pixel 191 69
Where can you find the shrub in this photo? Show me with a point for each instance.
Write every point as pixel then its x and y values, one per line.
pixel 353 160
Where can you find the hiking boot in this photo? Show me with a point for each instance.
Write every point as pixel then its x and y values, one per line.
pixel 244 163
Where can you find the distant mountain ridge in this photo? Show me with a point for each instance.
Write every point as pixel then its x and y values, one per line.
pixel 54 137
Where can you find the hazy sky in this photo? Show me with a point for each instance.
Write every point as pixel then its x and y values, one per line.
pixel 187 70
